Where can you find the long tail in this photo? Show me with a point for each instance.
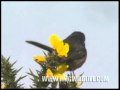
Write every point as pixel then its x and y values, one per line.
pixel 49 49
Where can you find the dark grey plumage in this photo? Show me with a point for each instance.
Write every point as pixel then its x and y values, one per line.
pixel 77 53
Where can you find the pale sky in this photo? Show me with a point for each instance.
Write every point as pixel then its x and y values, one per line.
pixel 36 21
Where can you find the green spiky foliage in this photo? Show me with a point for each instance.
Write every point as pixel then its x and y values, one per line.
pixel 52 62
pixel 8 74
pixel 37 78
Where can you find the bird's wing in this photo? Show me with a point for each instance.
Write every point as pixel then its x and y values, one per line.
pixel 49 49
pixel 78 54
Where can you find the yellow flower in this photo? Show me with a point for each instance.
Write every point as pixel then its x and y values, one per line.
pixel 3 86
pixel 39 59
pixel 61 48
pixel 54 39
pixel 59 76
pixel 56 75
pixel 62 68
pixel 49 73
pixel 79 83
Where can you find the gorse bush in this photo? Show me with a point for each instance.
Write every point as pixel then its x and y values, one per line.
pixel 50 75
pixel 8 75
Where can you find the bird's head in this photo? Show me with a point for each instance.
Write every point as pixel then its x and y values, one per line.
pixel 78 36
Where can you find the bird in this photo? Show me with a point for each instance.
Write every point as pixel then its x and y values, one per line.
pixel 77 52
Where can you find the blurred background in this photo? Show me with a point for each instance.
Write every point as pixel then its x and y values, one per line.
pixel 36 21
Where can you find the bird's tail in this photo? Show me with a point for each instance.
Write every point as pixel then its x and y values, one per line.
pixel 49 49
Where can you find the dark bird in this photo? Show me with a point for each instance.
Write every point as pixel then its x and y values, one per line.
pixel 77 53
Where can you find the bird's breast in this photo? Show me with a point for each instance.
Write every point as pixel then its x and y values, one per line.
pixel 75 64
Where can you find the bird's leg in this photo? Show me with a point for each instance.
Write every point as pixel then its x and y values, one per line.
pixel 70 74
pixel 73 73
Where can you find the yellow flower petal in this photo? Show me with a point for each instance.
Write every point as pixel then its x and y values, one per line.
pixel 62 68
pixel 49 73
pixel 79 83
pixel 59 46
pixel 59 76
pixel 54 39
pixel 39 59
pixel 66 48
pixel 3 86
pixel 63 50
